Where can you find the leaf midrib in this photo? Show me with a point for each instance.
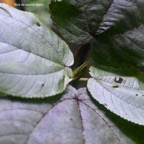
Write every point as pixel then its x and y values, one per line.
pixel 116 95
pixel 36 38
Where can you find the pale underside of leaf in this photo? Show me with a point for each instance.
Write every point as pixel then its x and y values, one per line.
pixel 34 60
pixel 74 119
pixel 121 95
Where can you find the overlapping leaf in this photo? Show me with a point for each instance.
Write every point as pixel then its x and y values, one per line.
pixel 34 61
pixel 73 119
pixel 86 19
pixel 115 28
pixel 121 95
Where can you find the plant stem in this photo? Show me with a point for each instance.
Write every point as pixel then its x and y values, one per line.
pixel 83 79
pixel 82 55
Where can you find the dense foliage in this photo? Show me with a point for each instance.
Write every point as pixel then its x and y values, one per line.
pixel 37 68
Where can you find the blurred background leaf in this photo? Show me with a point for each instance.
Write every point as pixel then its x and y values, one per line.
pixel 39 7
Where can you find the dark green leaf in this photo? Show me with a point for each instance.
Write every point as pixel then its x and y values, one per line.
pixel 70 21
pixel 120 50
pixel 80 20
pixel 113 27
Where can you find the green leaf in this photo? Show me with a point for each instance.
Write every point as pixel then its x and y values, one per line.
pixel 120 50
pixel 34 61
pixel 70 21
pixel 73 119
pixel 80 21
pixel 115 29
pixel 121 95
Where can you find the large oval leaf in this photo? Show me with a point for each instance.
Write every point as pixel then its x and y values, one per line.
pixel 73 119
pixel 121 95
pixel 34 61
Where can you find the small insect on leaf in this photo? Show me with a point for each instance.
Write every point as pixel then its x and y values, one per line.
pixel 116 86
pixel 118 80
